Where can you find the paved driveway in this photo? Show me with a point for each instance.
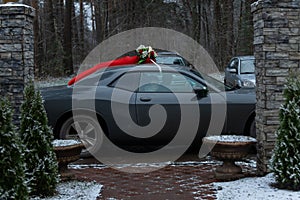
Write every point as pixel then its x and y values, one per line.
pixel 187 178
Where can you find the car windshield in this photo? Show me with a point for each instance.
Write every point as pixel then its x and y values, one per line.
pixel 247 67
pixel 169 60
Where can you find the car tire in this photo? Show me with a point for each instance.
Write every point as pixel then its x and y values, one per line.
pixel 252 130
pixel 90 133
pixel 252 133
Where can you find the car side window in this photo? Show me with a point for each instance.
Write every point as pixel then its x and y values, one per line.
pixel 167 82
pixel 128 81
pixel 231 64
pixel 234 64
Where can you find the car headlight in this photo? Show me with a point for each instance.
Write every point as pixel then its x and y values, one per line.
pixel 248 83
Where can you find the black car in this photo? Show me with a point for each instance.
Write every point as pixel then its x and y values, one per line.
pixel 129 96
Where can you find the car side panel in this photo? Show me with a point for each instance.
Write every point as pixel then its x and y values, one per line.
pixel 239 109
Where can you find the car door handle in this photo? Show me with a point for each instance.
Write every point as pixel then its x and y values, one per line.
pixel 145 99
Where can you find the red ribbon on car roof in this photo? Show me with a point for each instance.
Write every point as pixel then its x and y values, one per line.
pixel 145 54
pixel 121 61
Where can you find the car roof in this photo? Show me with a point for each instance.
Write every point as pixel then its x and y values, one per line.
pixel 117 70
pixel 249 57
pixel 146 67
pixel 141 67
pixel 167 53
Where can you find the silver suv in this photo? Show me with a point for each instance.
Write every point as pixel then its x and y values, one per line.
pixel 240 72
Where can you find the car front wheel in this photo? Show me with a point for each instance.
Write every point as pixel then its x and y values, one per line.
pixel 84 128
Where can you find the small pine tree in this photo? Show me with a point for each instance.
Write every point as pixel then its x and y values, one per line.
pixel 12 170
pixel 286 158
pixel 37 136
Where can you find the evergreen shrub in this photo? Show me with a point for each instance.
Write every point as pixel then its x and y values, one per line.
pixel 12 170
pixel 286 156
pixel 37 136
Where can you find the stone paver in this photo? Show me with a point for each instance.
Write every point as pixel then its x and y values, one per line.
pixel 179 180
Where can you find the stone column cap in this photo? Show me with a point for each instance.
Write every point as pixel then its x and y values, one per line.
pixel 274 3
pixel 12 8
pixel 12 4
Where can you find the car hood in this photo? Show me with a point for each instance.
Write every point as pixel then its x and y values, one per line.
pixel 250 77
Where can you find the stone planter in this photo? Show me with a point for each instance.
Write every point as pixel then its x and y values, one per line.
pixel 66 151
pixel 229 148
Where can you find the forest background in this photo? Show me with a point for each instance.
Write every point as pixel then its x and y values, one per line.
pixel 65 31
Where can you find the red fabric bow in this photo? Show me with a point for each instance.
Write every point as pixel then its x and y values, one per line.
pixel 127 60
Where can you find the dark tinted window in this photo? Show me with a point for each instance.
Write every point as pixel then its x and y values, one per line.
pixel 162 82
pixel 95 79
pixel 128 81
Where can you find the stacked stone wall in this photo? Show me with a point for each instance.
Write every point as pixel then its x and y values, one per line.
pixel 277 54
pixel 16 52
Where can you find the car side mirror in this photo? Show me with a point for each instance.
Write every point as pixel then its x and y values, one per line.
pixel 232 70
pixel 201 92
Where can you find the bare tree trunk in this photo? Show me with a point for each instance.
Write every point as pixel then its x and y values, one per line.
pixel 68 62
pixel 229 34
pixel 59 17
pixel 76 49
pixel 99 21
pixel 81 30
pixel 93 22
pixel 236 23
pixel 50 39
pixel 36 29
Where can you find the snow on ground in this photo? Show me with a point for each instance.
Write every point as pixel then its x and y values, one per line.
pixel 246 162
pixel 253 188
pixel 230 138
pixel 48 82
pixel 59 143
pixel 219 76
pixel 154 165
pixel 75 190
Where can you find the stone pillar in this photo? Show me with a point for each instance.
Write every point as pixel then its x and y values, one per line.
pixel 16 52
pixel 277 54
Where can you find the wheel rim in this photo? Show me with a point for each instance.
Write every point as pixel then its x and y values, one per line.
pixel 83 128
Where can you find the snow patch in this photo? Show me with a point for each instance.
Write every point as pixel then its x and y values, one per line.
pixel 50 81
pixel 12 4
pixel 256 3
pixel 62 143
pixel 253 188
pixel 75 190
pixel 173 164
pixel 247 163
pixel 230 138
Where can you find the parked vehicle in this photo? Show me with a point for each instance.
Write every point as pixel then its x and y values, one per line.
pixel 148 85
pixel 171 58
pixel 240 72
